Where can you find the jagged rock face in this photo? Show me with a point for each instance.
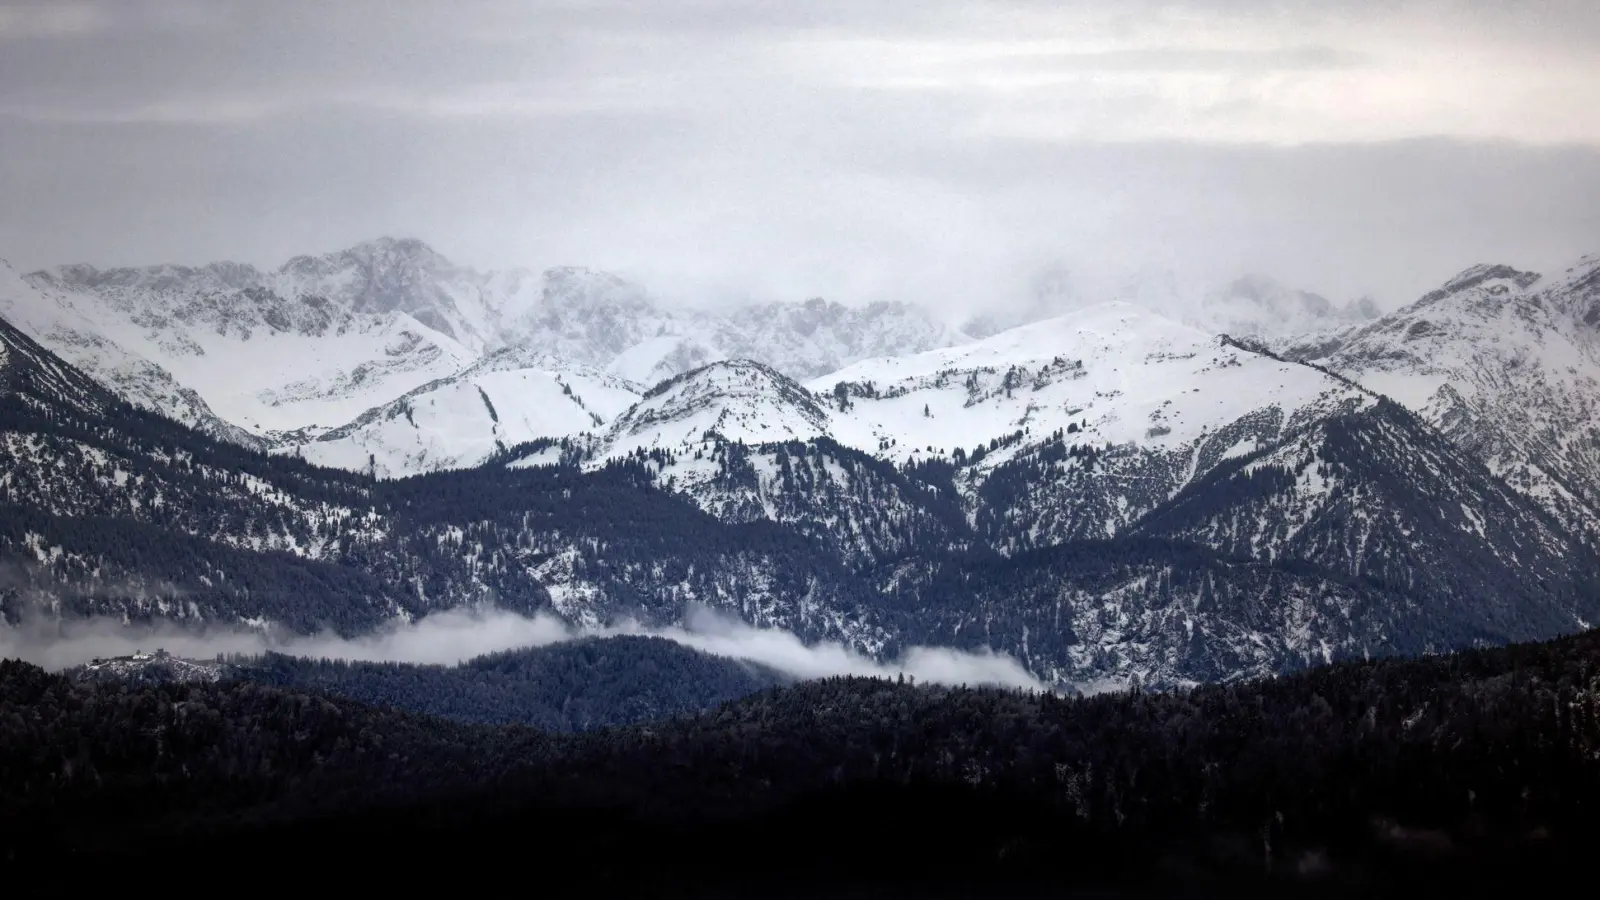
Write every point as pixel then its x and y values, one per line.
pixel 601 321
pixel 1506 364
pixel 309 295
pixel 389 276
pixel 590 318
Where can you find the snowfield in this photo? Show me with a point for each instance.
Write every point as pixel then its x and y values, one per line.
pixel 1119 374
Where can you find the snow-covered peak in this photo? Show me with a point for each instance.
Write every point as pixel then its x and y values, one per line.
pixel 306 294
pixel 322 341
pixel 379 272
pixel 508 398
pixel 239 364
pixel 1507 364
pixel 1118 322
pixel 737 401
pixel 1073 427
pixel 391 275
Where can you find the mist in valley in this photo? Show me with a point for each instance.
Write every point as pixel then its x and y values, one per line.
pixel 454 636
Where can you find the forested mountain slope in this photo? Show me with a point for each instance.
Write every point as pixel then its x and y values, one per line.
pixel 573 686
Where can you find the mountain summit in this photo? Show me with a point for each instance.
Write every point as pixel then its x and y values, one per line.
pixel 1504 362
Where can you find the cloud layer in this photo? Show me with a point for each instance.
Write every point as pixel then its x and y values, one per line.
pixel 717 150
pixel 454 636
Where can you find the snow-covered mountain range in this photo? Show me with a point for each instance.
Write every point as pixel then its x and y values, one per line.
pixel 388 358
pixel 1101 425
pixel 1103 495
pixel 1139 486
pixel 1503 364
pixel 1110 375
pixel 270 358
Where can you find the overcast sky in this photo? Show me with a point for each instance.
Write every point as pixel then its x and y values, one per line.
pixel 935 151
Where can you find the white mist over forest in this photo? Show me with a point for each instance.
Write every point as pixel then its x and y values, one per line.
pixel 454 636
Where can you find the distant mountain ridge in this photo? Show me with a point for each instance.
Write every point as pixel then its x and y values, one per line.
pixel 267 357
pixel 388 358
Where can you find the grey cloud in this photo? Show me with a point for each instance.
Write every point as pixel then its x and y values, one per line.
pixel 1047 64
pixel 719 149
pixel 53 20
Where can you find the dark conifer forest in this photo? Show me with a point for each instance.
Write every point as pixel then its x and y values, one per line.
pixel 571 686
pixel 1442 775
